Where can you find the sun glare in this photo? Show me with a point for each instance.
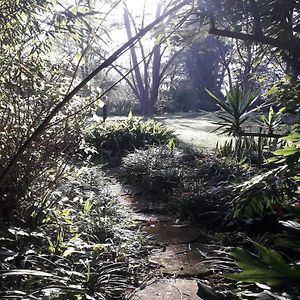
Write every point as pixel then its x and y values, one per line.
pixel 139 9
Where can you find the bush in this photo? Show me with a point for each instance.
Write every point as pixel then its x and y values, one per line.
pixel 185 179
pixel 124 136
pixel 248 149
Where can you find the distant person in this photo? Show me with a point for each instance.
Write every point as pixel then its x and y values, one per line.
pixel 104 112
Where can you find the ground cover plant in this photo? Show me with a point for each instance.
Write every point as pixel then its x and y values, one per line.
pixel 196 185
pixel 260 203
pixel 114 139
pixel 85 247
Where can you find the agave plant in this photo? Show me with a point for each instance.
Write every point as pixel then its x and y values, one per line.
pixel 235 110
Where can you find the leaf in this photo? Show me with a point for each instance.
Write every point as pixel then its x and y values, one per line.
pixel 294 137
pixel 272 90
pixel 130 116
pixel 168 41
pixel 269 268
pixel 24 272
pixel 158 38
pixel 291 224
pixel 88 204
pixel 287 151
pixel 208 293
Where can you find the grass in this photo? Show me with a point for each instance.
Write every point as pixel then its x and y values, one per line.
pixel 195 129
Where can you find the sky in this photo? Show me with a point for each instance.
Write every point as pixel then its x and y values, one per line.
pixel 136 7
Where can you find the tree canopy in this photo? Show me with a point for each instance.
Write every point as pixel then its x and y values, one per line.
pixel 267 22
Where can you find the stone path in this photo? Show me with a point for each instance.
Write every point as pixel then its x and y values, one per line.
pixel 180 254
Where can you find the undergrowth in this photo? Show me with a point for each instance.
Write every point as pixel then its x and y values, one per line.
pixel 196 185
pixel 111 141
pixel 85 247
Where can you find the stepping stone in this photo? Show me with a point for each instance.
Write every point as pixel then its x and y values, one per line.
pixel 169 289
pixel 170 233
pixel 152 218
pixel 182 260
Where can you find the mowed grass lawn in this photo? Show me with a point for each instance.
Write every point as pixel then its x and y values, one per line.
pixel 190 128
pixel 194 128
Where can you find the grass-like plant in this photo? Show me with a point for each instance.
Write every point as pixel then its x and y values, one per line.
pixel 79 251
pixel 115 139
pixel 184 179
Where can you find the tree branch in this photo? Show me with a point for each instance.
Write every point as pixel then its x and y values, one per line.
pixel 41 128
pixel 287 46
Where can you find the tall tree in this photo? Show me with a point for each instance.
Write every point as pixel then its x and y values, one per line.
pixel 147 77
pixel 274 23
pixel 201 67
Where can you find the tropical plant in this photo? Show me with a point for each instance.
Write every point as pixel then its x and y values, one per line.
pixel 115 139
pixel 248 149
pixel 275 190
pixel 271 121
pixel 285 93
pixel 235 111
pixel 80 249
pixel 269 267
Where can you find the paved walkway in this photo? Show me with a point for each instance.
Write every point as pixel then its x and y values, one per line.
pixel 180 253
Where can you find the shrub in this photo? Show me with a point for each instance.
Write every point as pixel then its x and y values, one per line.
pixel 278 186
pixel 193 184
pixel 157 169
pixel 115 139
pixel 248 149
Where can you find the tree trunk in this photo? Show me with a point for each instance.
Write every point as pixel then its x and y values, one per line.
pixel 43 126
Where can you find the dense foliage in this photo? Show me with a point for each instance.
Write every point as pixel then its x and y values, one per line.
pixel 68 237
pixel 80 250
pixel 115 139
pixel 186 181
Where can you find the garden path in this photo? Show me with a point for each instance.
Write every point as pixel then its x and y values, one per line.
pixel 180 251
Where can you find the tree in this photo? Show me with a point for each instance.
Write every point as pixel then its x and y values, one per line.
pixel 267 22
pixel 28 80
pixel 204 68
pixel 147 77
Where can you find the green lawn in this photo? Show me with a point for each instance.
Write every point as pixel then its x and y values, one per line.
pixel 194 128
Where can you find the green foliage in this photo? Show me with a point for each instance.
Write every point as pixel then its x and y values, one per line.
pixel 248 149
pixel 33 81
pixel 274 190
pixel 269 267
pixel 156 169
pixel 278 186
pixel 286 93
pixel 289 154
pixel 260 193
pixel 235 110
pixel 185 180
pixel 79 251
pixel 271 121
pixel 115 139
